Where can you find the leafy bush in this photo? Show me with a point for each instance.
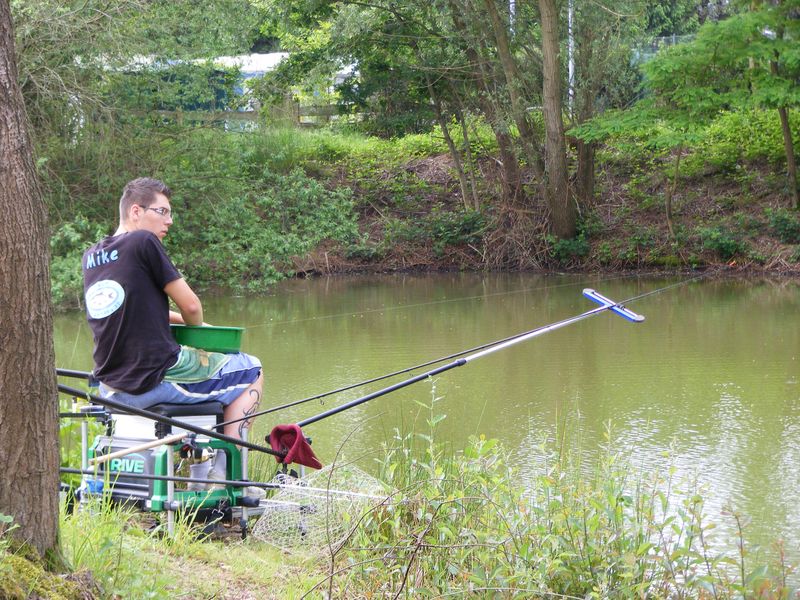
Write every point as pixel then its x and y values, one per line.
pixel 735 136
pixel 242 194
pixel 784 224
pixel 441 228
pixel 254 239
pixel 67 245
pixel 722 240
pixel 455 228
pixel 466 526
pixel 567 250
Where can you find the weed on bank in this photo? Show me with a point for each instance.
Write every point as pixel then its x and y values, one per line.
pixel 456 524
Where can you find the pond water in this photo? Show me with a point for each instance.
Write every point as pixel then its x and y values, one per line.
pixel 709 382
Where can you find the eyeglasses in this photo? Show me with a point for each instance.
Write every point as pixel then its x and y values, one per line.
pixel 162 211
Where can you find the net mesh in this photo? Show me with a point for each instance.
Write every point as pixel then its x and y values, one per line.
pixel 317 513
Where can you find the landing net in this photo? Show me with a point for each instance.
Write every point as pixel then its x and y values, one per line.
pixel 317 514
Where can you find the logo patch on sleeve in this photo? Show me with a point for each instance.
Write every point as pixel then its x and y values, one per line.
pixel 103 298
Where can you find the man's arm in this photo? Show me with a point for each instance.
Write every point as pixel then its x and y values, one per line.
pixel 191 311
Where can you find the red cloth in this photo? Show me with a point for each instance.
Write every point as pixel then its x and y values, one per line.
pixel 290 439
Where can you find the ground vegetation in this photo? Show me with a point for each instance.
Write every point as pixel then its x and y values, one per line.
pixel 451 524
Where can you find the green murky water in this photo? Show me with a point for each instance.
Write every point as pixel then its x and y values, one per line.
pixel 712 374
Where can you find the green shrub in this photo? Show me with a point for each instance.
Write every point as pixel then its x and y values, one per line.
pixel 785 224
pixel 732 137
pixel 567 250
pixel 254 239
pixel 67 245
pixel 465 527
pixel 455 228
pixel 722 240
pixel 441 228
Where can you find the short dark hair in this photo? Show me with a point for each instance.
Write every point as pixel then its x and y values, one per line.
pixel 141 191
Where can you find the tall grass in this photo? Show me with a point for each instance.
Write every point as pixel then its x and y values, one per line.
pixel 467 526
pixel 463 524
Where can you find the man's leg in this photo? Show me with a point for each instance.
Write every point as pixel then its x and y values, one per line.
pixel 246 404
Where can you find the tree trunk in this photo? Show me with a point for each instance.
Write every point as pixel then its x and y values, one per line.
pixel 454 154
pixel 562 208
pixel 512 179
pixel 518 108
pixel 471 168
pixel 791 163
pixel 584 111
pixel 29 456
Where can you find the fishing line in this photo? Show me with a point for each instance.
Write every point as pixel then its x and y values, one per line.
pixel 476 349
pixel 605 304
pixel 435 302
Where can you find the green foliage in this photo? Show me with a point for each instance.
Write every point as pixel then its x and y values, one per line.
pixel 568 250
pixel 722 240
pixel 287 217
pixel 455 228
pixel 108 540
pixel 23 573
pixel 675 17
pixel 439 229
pixel 737 136
pixel 184 86
pixel 67 245
pixel 749 59
pixel 580 531
pixel 785 224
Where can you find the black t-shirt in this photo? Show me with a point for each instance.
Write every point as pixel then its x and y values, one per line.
pixel 123 284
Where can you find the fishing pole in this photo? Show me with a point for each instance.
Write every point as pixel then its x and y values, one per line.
pixel 75 392
pixel 605 304
pixel 437 360
pixel 305 490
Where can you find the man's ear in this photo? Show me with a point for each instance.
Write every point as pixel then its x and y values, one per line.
pixel 134 213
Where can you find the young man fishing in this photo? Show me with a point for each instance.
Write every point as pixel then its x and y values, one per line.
pixel 128 280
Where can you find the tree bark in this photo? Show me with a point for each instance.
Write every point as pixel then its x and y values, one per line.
pixel 29 455
pixel 562 208
pixel 512 178
pixel 791 164
pixel 471 168
pixel 513 81
pixel 451 146
pixel 584 111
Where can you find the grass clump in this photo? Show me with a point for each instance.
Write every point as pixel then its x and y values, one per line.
pixel 467 527
pixel 460 524
pixel 24 574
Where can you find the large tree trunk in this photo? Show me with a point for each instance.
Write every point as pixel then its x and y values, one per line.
pixel 584 111
pixel 562 208
pixel 29 457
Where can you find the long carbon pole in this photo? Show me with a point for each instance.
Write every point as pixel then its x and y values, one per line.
pixel 607 305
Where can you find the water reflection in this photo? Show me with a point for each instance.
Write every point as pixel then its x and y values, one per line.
pixel 708 383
